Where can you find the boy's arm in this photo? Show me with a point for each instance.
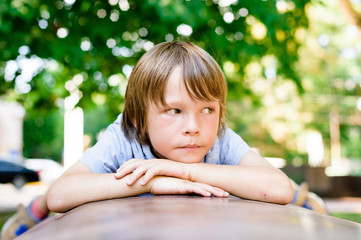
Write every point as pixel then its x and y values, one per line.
pixel 78 185
pixel 253 178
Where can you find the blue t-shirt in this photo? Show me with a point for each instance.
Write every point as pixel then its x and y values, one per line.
pixel 113 149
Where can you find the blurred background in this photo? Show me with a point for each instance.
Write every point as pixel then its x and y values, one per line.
pixel 292 67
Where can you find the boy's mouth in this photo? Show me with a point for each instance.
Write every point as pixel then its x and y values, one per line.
pixel 190 147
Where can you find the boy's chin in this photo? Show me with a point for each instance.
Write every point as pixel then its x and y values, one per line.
pixel 187 159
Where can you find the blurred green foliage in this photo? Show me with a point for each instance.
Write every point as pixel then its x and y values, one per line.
pixel 284 63
pixel 56 30
pixel 98 39
pixel 354 217
pixel 43 134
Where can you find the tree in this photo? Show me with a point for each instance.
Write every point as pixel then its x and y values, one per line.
pixel 52 49
pixel 88 42
pixel 351 14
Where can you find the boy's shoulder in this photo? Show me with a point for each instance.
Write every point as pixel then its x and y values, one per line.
pixel 227 135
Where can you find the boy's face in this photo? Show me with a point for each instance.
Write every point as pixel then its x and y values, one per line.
pixel 186 129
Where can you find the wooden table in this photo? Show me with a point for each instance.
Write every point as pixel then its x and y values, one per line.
pixel 191 217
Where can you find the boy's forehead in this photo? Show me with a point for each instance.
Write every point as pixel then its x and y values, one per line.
pixel 177 89
pixel 175 80
pixel 172 91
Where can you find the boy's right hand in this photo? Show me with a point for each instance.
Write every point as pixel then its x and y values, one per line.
pixel 170 185
pixel 145 170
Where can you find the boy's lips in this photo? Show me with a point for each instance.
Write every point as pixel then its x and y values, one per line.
pixel 190 147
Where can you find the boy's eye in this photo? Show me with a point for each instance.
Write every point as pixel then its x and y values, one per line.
pixel 207 110
pixel 173 111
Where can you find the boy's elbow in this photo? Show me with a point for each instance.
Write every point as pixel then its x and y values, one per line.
pixel 55 202
pixel 284 192
pixel 286 196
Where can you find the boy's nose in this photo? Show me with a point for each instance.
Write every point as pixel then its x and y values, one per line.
pixel 191 126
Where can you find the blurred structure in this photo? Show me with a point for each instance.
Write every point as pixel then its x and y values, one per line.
pixel 11 130
pixel 73 133
pixel 315 149
pixel 47 169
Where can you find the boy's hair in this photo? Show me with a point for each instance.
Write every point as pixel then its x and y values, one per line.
pixel 202 77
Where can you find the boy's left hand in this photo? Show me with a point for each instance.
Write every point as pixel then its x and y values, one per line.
pixel 147 169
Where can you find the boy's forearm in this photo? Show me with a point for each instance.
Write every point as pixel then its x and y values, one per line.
pixel 74 190
pixel 256 183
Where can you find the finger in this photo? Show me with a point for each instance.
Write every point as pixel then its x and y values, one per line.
pixel 217 192
pixel 198 189
pixel 149 175
pixel 126 168
pixel 121 172
pixel 222 194
pixel 127 164
pixel 137 174
pixel 203 192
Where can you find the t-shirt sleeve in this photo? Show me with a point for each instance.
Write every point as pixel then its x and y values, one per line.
pixel 232 148
pixel 109 152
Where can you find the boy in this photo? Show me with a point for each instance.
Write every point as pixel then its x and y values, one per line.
pixel 167 143
pixel 170 139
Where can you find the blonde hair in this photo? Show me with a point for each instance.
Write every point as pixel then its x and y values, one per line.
pixel 202 76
